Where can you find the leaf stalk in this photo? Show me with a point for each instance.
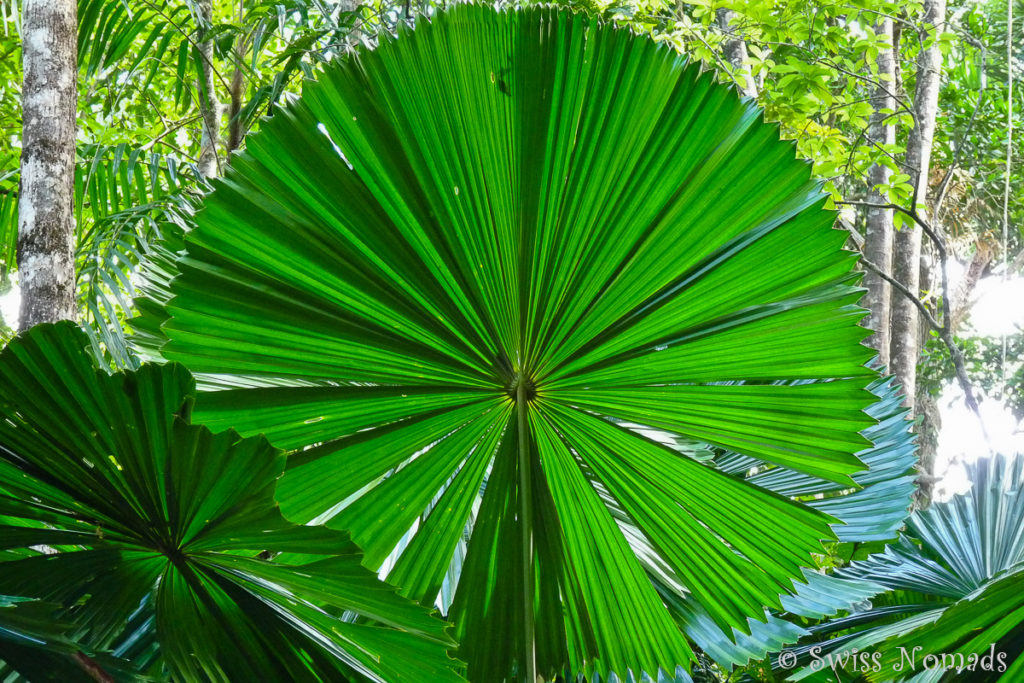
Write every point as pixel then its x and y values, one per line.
pixel 526 524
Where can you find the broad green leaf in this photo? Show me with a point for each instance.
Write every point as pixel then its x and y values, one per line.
pixel 474 252
pixel 151 514
pixel 877 510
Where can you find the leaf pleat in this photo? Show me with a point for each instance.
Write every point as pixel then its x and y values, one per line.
pixel 723 559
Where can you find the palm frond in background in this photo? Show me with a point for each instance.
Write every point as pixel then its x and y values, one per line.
pixel 953 584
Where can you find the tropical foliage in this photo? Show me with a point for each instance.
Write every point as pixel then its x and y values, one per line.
pixel 154 535
pixel 520 312
pixel 953 587
pixel 870 516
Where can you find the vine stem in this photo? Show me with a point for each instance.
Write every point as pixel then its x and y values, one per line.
pixel 526 522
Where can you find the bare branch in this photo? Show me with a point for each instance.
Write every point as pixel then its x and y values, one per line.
pixel 925 313
pixel 944 329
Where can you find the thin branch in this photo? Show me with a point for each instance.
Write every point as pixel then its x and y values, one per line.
pixel 186 35
pixel 812 59
pixel 925 313
pixel 858 239
pixel 872 144
pixel 723 66
pixel 895 18
pixel 944 329
pixel 171 129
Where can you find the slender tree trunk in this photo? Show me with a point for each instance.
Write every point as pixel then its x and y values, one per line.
pixel 879 234
pixel 46 218
pixel 926 406
pixel 736 52
pixel 209 106
pixel 235 131
pixel 907 256
pixel 984 252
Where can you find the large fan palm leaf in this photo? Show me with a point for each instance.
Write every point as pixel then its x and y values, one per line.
pixel 478 249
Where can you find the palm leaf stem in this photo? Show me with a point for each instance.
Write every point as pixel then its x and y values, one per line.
pixel 526 522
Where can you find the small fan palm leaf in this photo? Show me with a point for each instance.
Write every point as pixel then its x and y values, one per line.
pixel 152 513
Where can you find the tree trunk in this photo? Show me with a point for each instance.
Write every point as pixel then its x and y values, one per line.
pixel 235 133
pixel 209 106
pixel 46 218
pixel 736 53
pixel 879 234
pixel 355 30
pixel 907 256
pixel 984 252
pixel 927 432
pixel 235 129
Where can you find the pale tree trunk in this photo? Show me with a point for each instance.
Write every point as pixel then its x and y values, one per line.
pixel 209 106
pixel 46 218
pixel 235 132
pixel 907 256
pixel 735 49
pixel 984 252
pixel 355 34
pixel 926 406
pixel 879 235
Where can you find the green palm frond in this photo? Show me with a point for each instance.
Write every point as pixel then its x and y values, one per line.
pixel 149 519
pixel 35 646
pixel 475 253
pixel 8 229
pixel 980 638
pixel 127 201
pixel 947 580
pixel 110 31
pixel 871 514
pixel 877 510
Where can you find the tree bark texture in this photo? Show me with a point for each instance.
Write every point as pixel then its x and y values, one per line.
pixel 878 244
pixel 209 106
pixel 235 128
pixel 904 347
pixel 736 53
pixel 46 218
pixel 984 252
pixel 235 133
